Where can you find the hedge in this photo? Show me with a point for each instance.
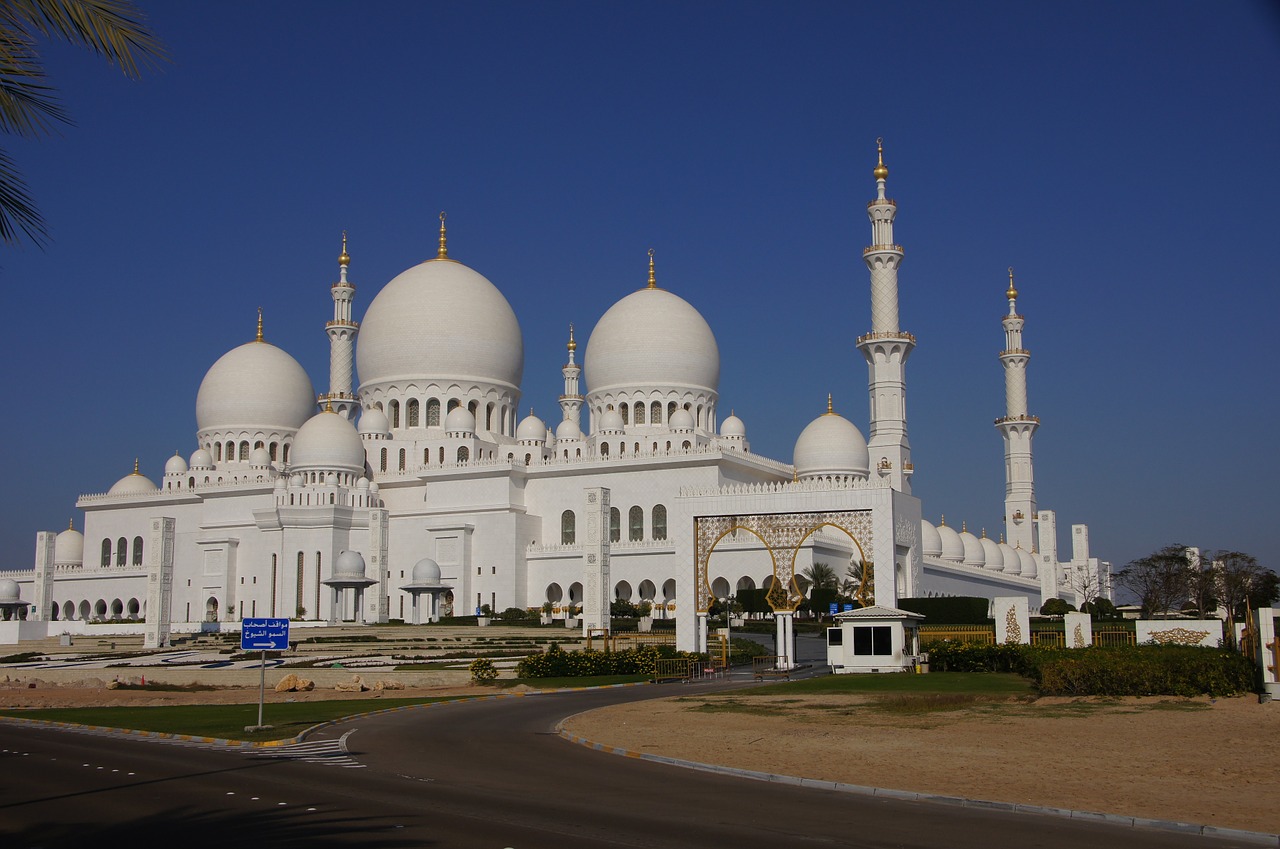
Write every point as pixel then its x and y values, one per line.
pixel 1105 671
pixel 555 662
pixel 949 610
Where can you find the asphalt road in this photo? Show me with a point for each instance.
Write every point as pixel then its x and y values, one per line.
pixel 480 774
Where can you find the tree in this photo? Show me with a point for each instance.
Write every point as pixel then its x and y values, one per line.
pixel 1160 580
pixel 1203 586
pixel 114 29
pixel 1239 578
pixel 818 576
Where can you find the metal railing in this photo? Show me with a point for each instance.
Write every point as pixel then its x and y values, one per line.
pixel 958 633
pixel 602 640
pixel 766 666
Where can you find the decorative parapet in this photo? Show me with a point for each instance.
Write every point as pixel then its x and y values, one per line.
pixel 898 336
pixel 882 249
pixel 1014 419
pixel 882 202
pixel 809 485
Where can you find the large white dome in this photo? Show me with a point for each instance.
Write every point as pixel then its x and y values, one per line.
pixel 831 445
pixel 442 321
pixel 133 484
pixel 930 540
pixel 952 547
pixel 256 386
pixel 327 442
pixel 68 547
pixel 652 338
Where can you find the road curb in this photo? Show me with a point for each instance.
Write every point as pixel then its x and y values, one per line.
pixel 1255 837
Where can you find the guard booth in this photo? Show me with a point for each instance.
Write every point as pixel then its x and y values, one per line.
pixel 874 639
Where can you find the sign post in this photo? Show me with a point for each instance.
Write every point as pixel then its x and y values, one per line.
pixel 263 635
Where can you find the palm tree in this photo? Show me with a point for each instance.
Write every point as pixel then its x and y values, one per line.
pixel 114 29
pixel 819 576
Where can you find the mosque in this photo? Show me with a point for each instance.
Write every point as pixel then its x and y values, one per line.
pixel 419 491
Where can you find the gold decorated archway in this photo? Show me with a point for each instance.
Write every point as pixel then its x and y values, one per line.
pixel 783 534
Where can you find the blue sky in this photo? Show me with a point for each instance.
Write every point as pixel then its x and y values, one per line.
pixel 1122 157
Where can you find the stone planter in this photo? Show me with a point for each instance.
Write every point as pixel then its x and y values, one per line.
pixel 644 624
pixel 482 621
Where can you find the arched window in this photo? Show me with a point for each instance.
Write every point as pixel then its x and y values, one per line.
pixel 615 524
pixel 568 528
pixel 394 409
pixel 671 408
pixel 411 412
pixel 686 445
pixel 284 454
pixel 604 449
pixel 640 413
pixel 635 524
pixel 528 458
pixel 402 459
pixel 454 403
pixel 298 609
pixel 426 456
pixel 659 521
pixel 137 551
pixel 433 413
pixel 382 465
pixel 244 450
pixel 622 446
pixel 217 452
pixel 655 412
pixel 122 550
pixel 488 417
pixel 464 454
pixel 259 444
pixel 625 410
pixel 474 409
pixel 106 552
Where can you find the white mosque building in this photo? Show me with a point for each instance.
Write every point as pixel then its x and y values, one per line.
pixel 423 478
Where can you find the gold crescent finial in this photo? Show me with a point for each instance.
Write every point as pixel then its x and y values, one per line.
pixel 259 339
pixel 1012 293
pixel 653 282
pixel 443 253
pixel 880 171
pixel 343 258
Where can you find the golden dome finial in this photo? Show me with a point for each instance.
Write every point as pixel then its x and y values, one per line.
pixel 135 466
pixel 328 405
pixel 71 524
pixel 943 522
pixel 443 253
pixel 573 346
pixel 259 339
pixel 831 410
pixel 653 281
pixel 1012 293
pixel 964 526
pixel 344 258
pixel 984 533
pixel 880 171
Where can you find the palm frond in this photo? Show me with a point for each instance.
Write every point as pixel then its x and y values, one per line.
pixel 114 29
pixel 18 214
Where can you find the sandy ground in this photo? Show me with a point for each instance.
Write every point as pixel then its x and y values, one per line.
pixel 1197 760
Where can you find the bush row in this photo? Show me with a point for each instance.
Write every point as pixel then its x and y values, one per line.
pixel 558 663
pixel 1105 671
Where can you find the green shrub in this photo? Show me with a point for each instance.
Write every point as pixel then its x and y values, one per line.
pixel 555 662
pixel 949 610
pixel 482 670
pixel 1056 607
pixel 1144 671
pixel 514 614
pixel 950 656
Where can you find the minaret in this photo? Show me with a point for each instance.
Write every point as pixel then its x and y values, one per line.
pixel 342 339
pixel 1017 428
pixel 886 347
pixel 571 400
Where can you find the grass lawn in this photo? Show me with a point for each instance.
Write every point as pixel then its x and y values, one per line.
pixel 223 721
pixel 973 683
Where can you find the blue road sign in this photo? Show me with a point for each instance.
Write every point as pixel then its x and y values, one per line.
pixel 269 634
pixel 834 608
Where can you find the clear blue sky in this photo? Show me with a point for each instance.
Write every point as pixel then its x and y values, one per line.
pixel 1123 157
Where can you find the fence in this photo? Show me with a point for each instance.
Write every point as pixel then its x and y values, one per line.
pixel 1044 637
pixel 958 633
pixel 613 641
pixel 766 666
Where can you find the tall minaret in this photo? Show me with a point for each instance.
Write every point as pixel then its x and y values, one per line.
pixel 571 400
pixel 886 347
pixel 1017 428
pixel 342 339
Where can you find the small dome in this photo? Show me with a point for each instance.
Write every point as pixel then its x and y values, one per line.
pixel 992 554
pixel 930 540
pixel 69 547
pixel 327 442
pixel 8 591
pixel 362 484
pixel 260 457
pixel 201 459
pixel 1009 557
pixel 568 430
pixel 256 386
pixel 132 484
pixel 350 564
pixel 681 419
pixel 611 420
pixel 733 426
pixel 426 571
pixel 973 553
pixel 831 445
pixel 952 547
pixel 531 429
pixel 1027 564
pixel 374 421
pixel 175 465
pixel 460 419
